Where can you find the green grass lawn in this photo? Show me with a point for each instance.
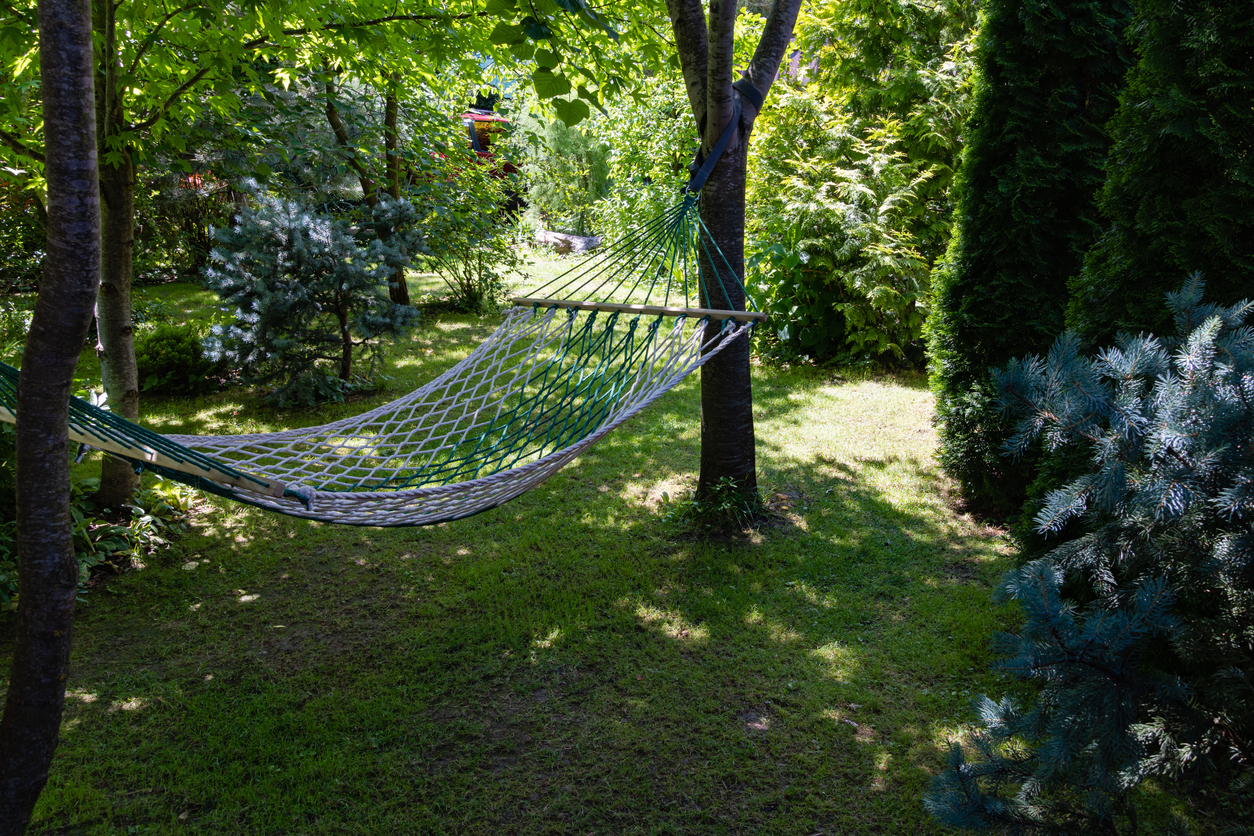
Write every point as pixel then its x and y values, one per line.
pixel 576 661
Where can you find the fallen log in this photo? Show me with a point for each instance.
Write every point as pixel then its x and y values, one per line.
pixel 564 243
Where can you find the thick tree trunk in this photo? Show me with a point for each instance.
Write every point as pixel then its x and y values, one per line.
pixel 727 439
pixel 47 570
pixel 706 58
pixel 116 344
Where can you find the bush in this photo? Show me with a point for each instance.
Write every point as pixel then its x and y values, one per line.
pixel 471 244
pixel 310 297
pixel 1180 177
pixel 172 361
pixel 1139 631
pixel 23 237
pixel 158 514
pixel 842 233
pixel 1026 213
pixel 565 172
pixel 851 167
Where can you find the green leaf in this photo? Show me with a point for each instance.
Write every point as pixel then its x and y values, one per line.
pixel 505 34
pixel 504 8
pixel 549 84
pixel 523 50
pixel 572 112
pixel 535 29
pixel 548 59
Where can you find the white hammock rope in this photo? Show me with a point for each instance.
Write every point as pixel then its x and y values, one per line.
pixel 344 472
pixel 550 382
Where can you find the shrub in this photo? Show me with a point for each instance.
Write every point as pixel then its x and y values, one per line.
pixel 158 514
pixel 565 171
pixel 309 296
pixel 1180 177
pixel 172 361
pixel 842 233
pixel 1025 215
pixel 471 244
pixel 22 238
pixel 1139 631
pixel 851 169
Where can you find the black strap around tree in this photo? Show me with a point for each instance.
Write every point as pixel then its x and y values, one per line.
pixel 702 165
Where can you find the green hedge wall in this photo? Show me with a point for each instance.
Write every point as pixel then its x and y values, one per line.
pixel 1048 77
pixel 1180 189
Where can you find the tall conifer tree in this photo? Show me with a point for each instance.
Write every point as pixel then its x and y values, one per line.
pixel 1047 79
pixel 1181 173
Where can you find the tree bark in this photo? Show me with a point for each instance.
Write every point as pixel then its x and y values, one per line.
pixel 705 55
pixel 47 570
pixel 115 345
pixel 398 289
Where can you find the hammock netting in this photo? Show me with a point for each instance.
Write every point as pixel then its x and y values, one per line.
pixel 568 364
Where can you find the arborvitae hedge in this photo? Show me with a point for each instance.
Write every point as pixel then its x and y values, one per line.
pixel 1047 84
pixel 1180 187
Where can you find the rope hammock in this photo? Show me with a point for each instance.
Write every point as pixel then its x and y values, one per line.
pixel 569 363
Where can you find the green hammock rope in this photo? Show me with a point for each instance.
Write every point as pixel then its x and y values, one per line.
pixel 554 378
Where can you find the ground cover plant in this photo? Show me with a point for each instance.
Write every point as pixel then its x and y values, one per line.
pixel 571 662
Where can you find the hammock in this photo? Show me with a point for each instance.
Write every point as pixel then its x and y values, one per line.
pixel 569 363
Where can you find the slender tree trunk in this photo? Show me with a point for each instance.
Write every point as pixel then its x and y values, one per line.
pixel 398 289
pixel 368 189
pixel 116 344
pixel 47 570
pixel 346 344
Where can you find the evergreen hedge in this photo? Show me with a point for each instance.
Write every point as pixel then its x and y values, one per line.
pixel 1046 85
pixel 1180 181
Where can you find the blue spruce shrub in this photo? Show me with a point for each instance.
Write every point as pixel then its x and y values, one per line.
pixel 1139 630
pixel 310 293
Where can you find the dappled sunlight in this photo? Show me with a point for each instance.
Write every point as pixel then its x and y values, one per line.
pixel 577 643
pixel 128 704
pixel 775 630
pixel 836 661
pixel 672 625
pixel 549 639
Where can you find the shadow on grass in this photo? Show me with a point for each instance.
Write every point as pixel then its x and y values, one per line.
pixel 568 663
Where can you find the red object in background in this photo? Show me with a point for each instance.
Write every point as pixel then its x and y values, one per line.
pixel 484 127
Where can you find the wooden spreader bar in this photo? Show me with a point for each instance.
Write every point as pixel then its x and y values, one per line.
pixel 270 487
pixel 696 313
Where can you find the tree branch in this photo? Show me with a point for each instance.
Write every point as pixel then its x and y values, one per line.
pixel 718 85
pixel 152 36
pixel 173 97
pixel 688 24
pixel 764 67
pixel 257 43
pixel 20 147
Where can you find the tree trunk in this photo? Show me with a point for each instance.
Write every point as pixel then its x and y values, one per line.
pixel 706 55
pixel 47 570
pixel 116 344
pixel 727 439
pixel 398 289
pixel 346 344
